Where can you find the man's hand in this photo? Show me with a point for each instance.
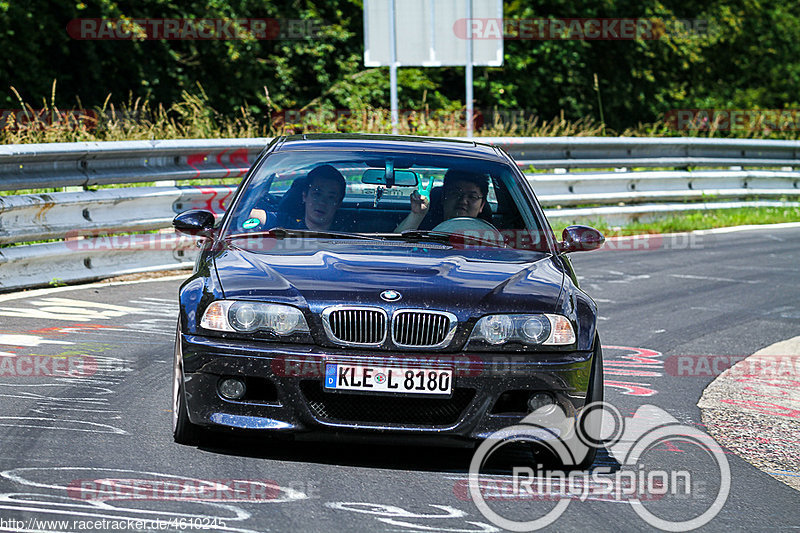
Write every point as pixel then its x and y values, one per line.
pixel 419 208
pixel 419 203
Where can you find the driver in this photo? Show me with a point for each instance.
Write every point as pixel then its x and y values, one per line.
pixel 464 195
pixel 321 198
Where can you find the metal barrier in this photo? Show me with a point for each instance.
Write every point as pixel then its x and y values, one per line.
pixel 39 166
pixel 618 193
pixel 647 152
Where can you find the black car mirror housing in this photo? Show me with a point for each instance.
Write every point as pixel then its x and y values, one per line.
pixel 195 222
pixel 580 239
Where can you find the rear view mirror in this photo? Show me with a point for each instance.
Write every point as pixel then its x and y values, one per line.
pixel 580 239
pixel 402 178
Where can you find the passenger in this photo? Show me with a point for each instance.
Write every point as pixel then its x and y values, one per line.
pixel 321 198
pixel 464 195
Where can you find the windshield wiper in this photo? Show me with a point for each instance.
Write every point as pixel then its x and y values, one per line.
pixel 283 233
pixel 445 237
pixel 414 235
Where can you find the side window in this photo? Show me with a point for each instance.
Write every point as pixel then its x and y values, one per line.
pixel 520 230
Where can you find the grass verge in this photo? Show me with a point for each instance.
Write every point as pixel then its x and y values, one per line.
pixel 193 117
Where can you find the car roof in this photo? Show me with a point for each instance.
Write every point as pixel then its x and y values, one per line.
pixel 393 143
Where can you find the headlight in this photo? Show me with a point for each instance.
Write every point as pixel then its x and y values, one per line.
pixel 496 329
pixel 243 316
pixel 283 319
pixel 545 329
pixel 535 329
pixel 228 315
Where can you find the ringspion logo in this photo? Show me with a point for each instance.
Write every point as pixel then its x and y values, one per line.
pixel 635 441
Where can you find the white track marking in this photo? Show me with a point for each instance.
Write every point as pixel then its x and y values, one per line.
pixel 27 340
pixel 481 527
pixel 710 278
pixel 73 310
pixel 51 290
pixel 749 227
pixel 380 509
pixel 388 514
pixel 32 422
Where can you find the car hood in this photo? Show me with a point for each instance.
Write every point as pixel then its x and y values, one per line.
pixel 427 276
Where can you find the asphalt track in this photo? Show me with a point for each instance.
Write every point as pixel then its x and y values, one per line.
pixel 717 295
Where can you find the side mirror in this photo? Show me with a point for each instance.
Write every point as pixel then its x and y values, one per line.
pixel 195 222
pixel 580 239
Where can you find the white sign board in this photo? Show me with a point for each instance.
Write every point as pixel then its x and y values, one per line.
pixel 430 33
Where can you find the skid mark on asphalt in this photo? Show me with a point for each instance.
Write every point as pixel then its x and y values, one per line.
pixel 58 423
pixel 97 493
pixel 53 409
pixel 86 372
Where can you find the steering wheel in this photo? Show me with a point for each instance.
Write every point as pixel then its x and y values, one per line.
pixel 472 227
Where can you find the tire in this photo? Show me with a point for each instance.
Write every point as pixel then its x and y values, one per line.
pixel 183 430
pixel 593 395
pixel 548 455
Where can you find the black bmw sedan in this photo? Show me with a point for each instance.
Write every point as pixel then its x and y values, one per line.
pixel 383 286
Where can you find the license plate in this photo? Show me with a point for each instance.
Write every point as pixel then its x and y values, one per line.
pixel 383 379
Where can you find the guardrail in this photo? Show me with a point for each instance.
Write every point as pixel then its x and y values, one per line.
pixel 647 152
pixel 625 192
pixel 40 166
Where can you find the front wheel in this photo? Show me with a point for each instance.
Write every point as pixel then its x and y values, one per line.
pixel 591 427
pixel 183 430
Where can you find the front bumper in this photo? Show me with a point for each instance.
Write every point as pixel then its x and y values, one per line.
pixel 285 392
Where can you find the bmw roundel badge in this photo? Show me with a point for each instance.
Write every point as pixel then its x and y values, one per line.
pixel 391 296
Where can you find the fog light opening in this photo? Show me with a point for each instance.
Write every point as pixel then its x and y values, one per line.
pixel 539 400
pixel 232 388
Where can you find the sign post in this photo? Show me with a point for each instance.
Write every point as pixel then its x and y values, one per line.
pixel 431 33
pixel 468 68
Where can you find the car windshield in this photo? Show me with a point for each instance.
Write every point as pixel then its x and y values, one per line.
pixel 355 193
